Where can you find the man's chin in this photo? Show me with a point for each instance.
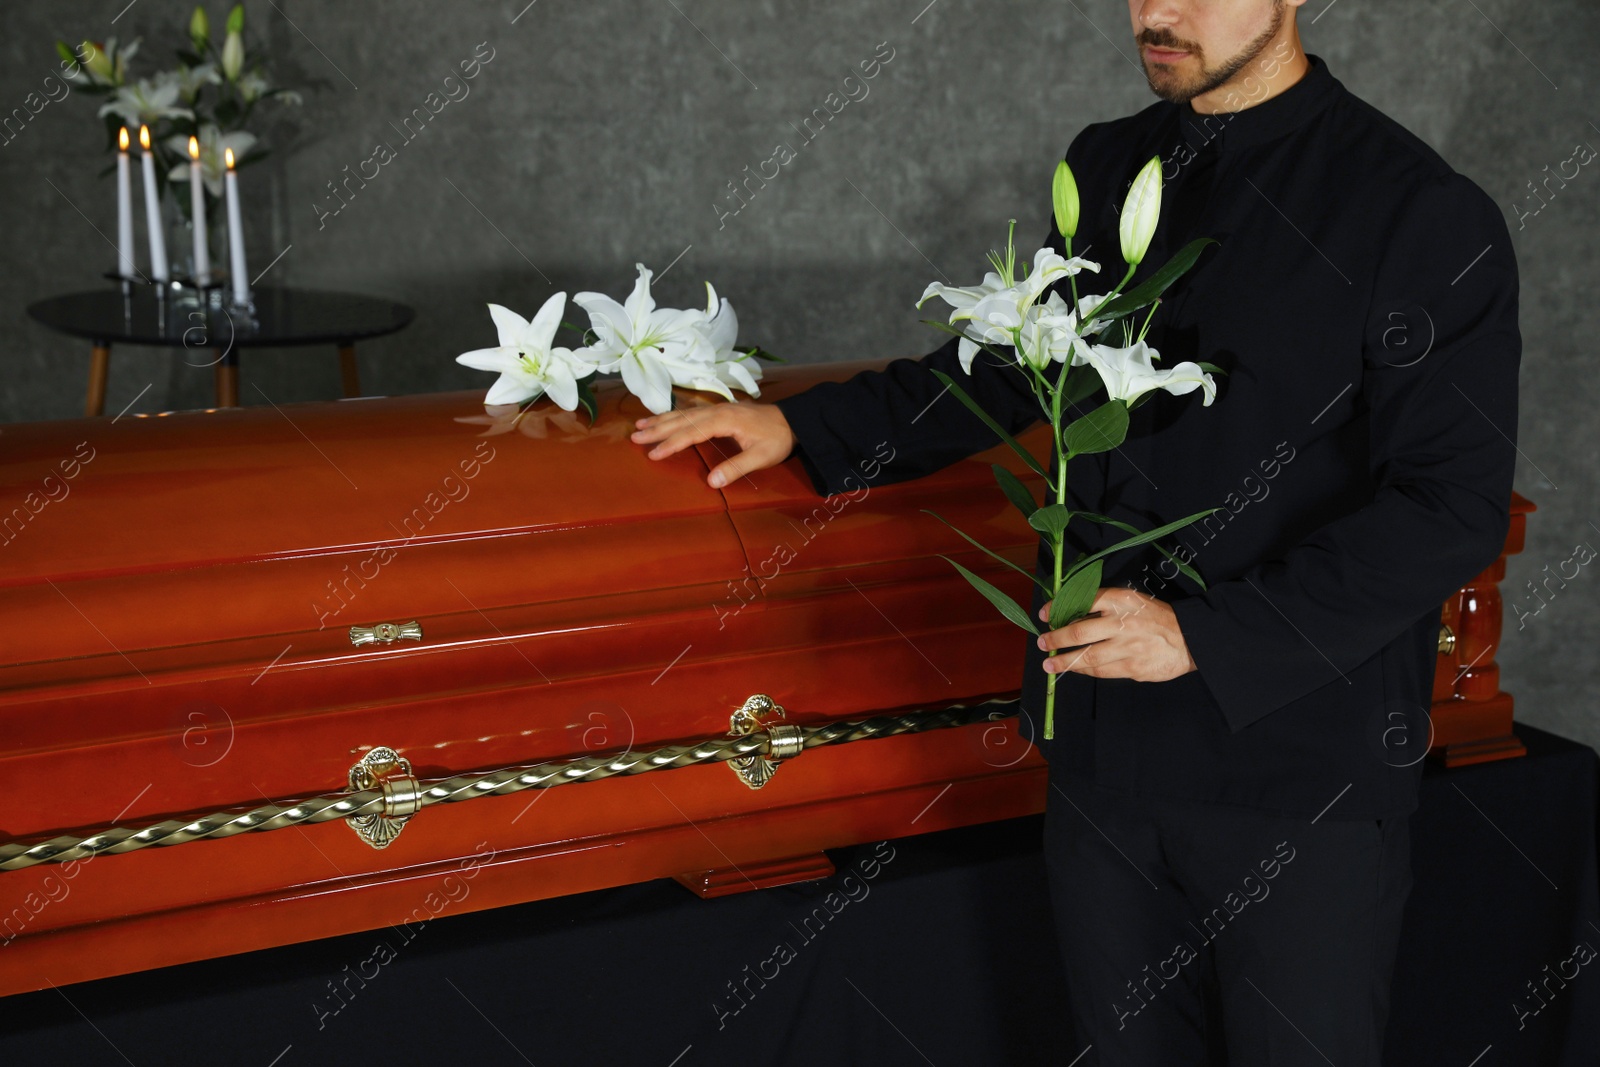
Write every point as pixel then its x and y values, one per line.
pixel 1168 84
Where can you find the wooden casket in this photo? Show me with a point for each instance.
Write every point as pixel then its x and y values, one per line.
pixel 306 617
pixel 286 672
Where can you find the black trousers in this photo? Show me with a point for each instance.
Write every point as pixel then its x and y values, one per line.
pixel 1202 934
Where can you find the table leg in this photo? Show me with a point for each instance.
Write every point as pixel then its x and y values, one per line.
pixel 350 371
pixel 99 371
pixel 228 379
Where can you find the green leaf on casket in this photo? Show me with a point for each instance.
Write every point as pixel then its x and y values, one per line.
pixel 987 551
pixel 1101 430
pixel 1014 490
pixel 1051 519
pixel 1153 286
pixel 757 352
pixel 972 405
pixel 1077 594
pixel 1008 607
pixel 586 399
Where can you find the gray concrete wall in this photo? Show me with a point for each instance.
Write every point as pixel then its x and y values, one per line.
pixel 605 132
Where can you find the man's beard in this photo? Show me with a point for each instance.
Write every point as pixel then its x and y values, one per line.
pixel 1164 80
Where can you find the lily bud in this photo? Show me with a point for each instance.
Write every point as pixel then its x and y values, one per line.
pixel 199 29
pixel 1064 191
pixel 96 61
pixel 232 56
pixel 236 19
pixel 1140 211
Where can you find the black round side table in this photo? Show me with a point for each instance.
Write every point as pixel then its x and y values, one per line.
pixel 282 317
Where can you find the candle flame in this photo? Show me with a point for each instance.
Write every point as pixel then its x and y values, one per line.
pixel 194 147
pixel 122 139
pixel 227 157
pixel 144 138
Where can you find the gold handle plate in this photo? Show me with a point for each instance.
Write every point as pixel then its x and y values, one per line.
pixel 385 633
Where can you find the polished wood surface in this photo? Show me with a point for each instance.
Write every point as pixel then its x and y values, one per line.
pixel 99 372
pixel 1471 715
pixel 175 642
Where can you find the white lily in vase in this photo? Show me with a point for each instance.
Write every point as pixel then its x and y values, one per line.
pixel 527 363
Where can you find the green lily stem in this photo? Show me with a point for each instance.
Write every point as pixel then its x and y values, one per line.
pixel 1146 327
pixel 1073 278
pixel 1057 540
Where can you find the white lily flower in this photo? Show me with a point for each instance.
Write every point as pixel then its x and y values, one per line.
pixel 719 329
pixel 1051 331
pixel 213 144
pixel 145 103
pixel 527 364
pixel 654 348
pixel 1129 372
pixel 994 308
pixel 189 80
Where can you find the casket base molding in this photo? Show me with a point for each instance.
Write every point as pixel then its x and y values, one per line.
pixel 399 905
pixel 723 881
pixel 1475 731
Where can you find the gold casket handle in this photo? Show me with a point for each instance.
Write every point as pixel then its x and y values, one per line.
pixel 385 633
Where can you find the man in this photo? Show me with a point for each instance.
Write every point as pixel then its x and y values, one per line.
pixel 1233 766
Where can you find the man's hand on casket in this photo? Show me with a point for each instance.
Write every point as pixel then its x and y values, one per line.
pixel 1132 635
pixel 760 430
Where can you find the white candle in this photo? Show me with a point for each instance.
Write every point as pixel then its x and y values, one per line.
pixel 230 186
pixel 125 265
pixel 152 210
pixel 197 210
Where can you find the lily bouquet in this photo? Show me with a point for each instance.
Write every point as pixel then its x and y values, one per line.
pixel 210 95
pixel 652 348
pixel 1068 355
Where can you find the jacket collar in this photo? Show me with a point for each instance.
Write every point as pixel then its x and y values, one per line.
pixel 1272 118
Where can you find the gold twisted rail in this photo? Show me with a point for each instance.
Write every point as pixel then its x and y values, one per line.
pixel 395 797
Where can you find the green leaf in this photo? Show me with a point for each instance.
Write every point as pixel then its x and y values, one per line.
pixel 1014 490
pixel 1077 595
pixel 1150 535
pixel 1153 286
pixel 1051 519
pixel 586 399
pixel 1183 568
pixel 1211 368
pixel 1101 430
pixel 1007 606
pixel 972 405
pixel 760 353
pixel 989 552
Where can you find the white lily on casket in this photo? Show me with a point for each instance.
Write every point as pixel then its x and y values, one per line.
pixel 528 365
pixel 653 348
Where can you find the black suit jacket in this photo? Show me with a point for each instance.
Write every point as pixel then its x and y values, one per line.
pixel 1363 300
